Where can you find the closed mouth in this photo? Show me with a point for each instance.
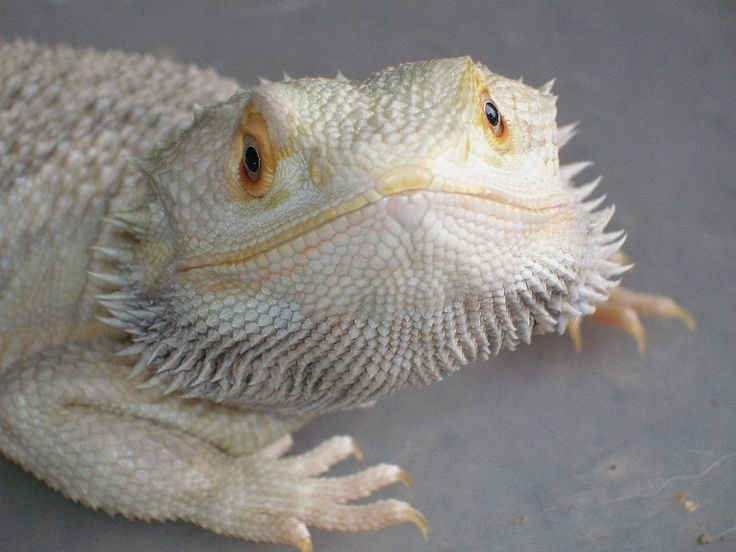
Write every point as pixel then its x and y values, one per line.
pixel 403 182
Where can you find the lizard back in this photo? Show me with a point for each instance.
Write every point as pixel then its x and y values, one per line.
pixel 69 122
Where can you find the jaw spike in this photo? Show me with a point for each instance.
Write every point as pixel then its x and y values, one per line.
pixel 263 81
pixel 115 279
pixel 585 190
pixel 340 77
pixel 569 171
pixel 566 133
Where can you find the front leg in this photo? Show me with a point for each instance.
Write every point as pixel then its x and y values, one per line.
pixel 625 308
pixel 72 417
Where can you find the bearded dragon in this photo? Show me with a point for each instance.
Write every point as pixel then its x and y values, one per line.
pixel 178 296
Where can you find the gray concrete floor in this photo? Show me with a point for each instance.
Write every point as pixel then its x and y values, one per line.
pixel 541 449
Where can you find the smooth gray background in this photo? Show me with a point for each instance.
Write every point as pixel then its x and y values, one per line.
pixel 517 454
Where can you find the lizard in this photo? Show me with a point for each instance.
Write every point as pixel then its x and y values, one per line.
pixel 183 287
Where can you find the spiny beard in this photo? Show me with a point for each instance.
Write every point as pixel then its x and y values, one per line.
pixel 301 364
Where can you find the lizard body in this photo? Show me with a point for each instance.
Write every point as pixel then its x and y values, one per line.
pixel 298 247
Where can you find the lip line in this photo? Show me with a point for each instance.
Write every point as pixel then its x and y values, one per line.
pixel 287 235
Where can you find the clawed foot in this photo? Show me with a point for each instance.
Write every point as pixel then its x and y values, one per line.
pixel 271 498
pixel 624 309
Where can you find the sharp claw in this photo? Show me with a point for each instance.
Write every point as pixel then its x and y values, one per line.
pixel 305 544
pixel 418 519
pixel 404 477
pixel 576 334
pixel 357 452
pixel 634 326
pixel 684 316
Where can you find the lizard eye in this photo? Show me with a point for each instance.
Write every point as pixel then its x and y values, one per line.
pixel 251 158
pixel 494 117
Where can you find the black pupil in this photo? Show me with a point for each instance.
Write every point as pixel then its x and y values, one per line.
pixel 492 113
pixel 252 160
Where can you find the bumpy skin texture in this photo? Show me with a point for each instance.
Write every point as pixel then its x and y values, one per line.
pixel 167 319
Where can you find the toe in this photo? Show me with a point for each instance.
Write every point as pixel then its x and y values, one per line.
pixel 364 483
pixel 325 455
pixel 367 517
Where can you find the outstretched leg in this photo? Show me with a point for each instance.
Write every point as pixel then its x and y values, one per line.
pixel 72 417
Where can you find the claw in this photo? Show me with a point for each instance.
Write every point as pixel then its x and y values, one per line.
pixel 404 477
pixel 624 310
pixel 576 335
pixel 357 452
pixel 418 519
pixel 305 544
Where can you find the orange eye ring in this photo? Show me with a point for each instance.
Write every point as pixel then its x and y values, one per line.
pixel 493 121
pixel 252 158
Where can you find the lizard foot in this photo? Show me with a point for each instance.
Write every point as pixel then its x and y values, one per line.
pixel 624 309
pixel 270 498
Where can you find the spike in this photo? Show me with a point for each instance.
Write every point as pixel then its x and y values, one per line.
pixel 340 77
pixel 287 78
pixel 546 88
pixel 585 190
pixel 136 217
pixel 139 368
pixel 592 295
pixel 609 237
pixel 603 217
pixel 569 171
pixel 593 204
pixel 117 296
pixel 132 350
pixel 115 279
pixel 263 81
pixel 113 253
pixel 153 381
pixel 613 269
pixel 611 248
pixel 116 223
pixel 566 133
pixel 114 322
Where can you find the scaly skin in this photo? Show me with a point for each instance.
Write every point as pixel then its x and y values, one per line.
pixel 389 231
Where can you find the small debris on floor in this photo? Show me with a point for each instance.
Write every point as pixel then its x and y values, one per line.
pixel 684 500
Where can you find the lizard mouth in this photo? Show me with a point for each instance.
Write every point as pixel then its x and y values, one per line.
pixel 417 178
pixel 404 181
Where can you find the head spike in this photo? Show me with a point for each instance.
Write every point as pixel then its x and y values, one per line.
pixel 546 88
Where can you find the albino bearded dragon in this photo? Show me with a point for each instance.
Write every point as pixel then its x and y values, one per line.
pixel 177 297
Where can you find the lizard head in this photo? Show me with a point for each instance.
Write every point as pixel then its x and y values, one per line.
pixel 318 243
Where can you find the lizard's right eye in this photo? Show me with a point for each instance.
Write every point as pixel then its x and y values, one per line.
pixel 251 158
